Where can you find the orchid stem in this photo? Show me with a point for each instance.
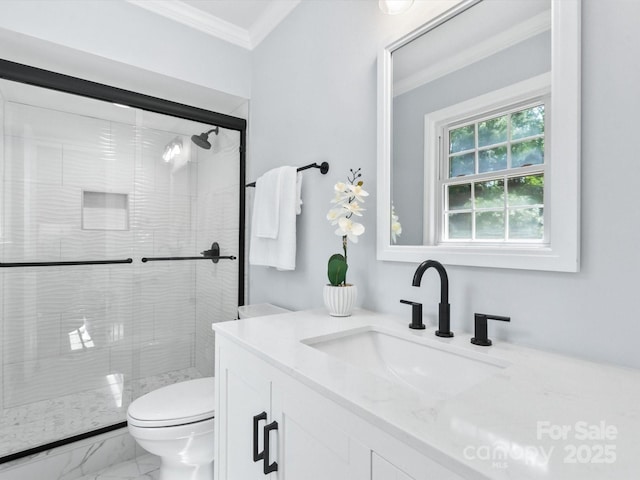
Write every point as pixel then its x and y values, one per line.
pixel 344 248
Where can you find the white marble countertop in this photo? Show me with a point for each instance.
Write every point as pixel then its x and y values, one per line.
pixel 545 416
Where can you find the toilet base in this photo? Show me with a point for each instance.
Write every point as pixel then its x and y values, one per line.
pixel 186 451
pixel 180 471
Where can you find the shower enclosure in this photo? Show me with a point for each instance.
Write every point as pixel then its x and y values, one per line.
pixel 89 188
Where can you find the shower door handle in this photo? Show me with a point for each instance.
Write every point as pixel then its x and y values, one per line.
pixel 266 467
pixel 257 456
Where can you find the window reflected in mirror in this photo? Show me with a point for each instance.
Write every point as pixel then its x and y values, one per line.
pixel 469 128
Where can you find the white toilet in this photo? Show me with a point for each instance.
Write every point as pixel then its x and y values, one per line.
pixel 176 422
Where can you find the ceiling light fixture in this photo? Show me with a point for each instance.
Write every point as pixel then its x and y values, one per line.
pixel 394 7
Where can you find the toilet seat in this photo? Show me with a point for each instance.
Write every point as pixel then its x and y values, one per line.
pixel 178 404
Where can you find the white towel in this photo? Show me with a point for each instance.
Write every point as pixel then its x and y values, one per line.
pixel 278 252
pixel 266 204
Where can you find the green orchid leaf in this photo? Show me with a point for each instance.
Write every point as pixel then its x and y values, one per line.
pixel 337 269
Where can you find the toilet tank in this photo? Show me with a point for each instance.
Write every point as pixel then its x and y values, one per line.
pixel 260 310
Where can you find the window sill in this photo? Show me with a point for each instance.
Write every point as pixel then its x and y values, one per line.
pixel 544 258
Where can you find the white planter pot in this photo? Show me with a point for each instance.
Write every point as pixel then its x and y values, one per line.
pixel 340 300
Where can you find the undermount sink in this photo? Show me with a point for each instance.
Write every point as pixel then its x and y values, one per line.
pixel 436 369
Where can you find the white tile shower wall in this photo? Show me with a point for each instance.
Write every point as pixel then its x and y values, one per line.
pixel 207 312
pixel 166 355
pixel 156 175
pixel 96 244
pixel 175 177
pixel 170 288
pixel 42 300
pixel 38 218
pixel 217 220
pixel 35 380
pixel 37 161
pixel 98 168
pixel 50 125
pixel 214 308
pixel 3 180
pixel 163 206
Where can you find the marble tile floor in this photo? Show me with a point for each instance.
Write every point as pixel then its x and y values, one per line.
pixel 33 424
pixel 145 467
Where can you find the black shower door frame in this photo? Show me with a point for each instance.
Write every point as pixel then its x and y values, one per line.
pixel 38 77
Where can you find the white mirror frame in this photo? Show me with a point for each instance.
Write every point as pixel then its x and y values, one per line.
pixel 563 252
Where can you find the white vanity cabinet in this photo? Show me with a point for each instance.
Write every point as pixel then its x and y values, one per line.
pixel 339 420
pixel 314 441
pixel 315 438
pixel 243 392
pixel 383 470
pixel 303 441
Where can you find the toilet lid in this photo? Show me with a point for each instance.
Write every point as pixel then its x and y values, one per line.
pixel 177 404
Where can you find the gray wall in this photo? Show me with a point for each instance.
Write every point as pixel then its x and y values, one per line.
pixel 314 98
pixel 524 60
pixel 313 88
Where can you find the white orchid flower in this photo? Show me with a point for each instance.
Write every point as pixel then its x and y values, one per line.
pixel 396 231
pixel 354 208
pixel 350 229
pixel 340 198
pixel 396 227
pixel 346 203
pixel 358 192
pixel 334 214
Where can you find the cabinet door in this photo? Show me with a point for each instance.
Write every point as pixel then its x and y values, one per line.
pixel 312 442
pixel 412 466
pixel 383 470
pixel 243 392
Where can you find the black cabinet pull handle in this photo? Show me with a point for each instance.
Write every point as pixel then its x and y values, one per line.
pixel 257 456
pixel 267 469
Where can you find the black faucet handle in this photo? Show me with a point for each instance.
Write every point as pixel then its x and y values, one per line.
pixel 416 314
pixel 480 319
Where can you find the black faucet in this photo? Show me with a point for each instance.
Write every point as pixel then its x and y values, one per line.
pixel 444 324
pixel 416 315
pixel 480 319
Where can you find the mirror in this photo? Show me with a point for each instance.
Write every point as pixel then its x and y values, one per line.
pixel 476 165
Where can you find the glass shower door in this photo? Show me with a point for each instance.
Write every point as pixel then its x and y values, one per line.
pixel 88 189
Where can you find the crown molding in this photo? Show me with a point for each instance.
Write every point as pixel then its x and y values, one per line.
pixel 509 37
pixel 211 25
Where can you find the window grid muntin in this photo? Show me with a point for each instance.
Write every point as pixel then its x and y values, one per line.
pixel 520 172
pixel 504 174
pixel 477 119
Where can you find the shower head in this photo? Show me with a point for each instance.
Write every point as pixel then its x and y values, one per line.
pixel 202 140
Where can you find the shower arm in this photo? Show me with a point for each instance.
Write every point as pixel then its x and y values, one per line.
pixel 213 254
